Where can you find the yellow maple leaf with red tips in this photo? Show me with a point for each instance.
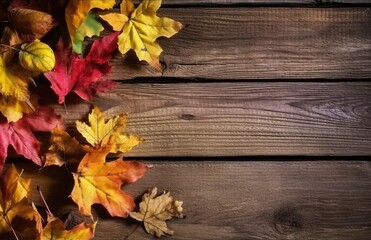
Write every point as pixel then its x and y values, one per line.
pixel 140 28
pixel 101 131
pixel 99 182
pixel 15 193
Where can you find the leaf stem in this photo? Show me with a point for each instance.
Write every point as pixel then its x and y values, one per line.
pixel 43 199
pixel 10 226
pixel 16 49
pixel 135 229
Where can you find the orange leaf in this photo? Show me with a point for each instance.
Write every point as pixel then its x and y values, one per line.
pixel 15 192
pixel 55 230
pixel 98 181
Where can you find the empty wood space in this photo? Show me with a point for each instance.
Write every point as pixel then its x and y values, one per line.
pixel 260 122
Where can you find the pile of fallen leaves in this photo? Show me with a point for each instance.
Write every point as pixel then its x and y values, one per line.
pixel 43 39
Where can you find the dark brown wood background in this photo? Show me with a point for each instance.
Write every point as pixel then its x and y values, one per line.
pixel 259 122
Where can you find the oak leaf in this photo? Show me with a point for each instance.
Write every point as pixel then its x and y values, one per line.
pixel 100 132
pixel 154 211
pixel 63 148
pixel 83 76
pixel 99 182
pixel 78 27
pixel 55 230
pixel 140 28
pixel 14 200
pixel 20 134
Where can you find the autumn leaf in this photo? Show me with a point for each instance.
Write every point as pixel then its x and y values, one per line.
pixel 83 76
pixel 63 148
pixel 55 230
pixel 37 56
pixel 15 193
pixel 99 182
pixel 154 211
pixel 100 132
pixel 13 109
pixel 80 23
pixel 140 28
pixel 20 134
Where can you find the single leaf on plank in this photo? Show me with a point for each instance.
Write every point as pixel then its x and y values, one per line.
pixel 75 14
pixel 55 230
pixel 83 76
pixel 20 134
pixel 99 182
pixel 100 132
pixel 154 211
pixel 14 201
pixel 140 28
pixel 64 149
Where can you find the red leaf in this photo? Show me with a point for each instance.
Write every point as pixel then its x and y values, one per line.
pixel 84 76
pixel 19 134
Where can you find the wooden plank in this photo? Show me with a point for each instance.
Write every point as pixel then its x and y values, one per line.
pixel 257 2
pixel 239 119
pixel 262 43
pixel 243 200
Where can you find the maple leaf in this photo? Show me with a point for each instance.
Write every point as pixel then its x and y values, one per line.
pixel 19 134
pixel 100 132
pixel 98 181
pixel 63 147
pixel 81 23
pixel 140 29
pixel 84 76
pixel 154 211
pixel 55 230
pixel 15 192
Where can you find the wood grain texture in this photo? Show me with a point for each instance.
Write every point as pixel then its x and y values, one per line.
pixel 262 43
pixel 243 200
pixel 238 119
pixel 253 2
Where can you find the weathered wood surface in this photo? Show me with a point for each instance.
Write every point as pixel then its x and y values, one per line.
pixel 262 43
pixel 244 200
pixel 239 119
pixel 253 2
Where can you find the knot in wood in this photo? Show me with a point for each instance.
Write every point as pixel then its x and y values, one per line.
pixel 287 221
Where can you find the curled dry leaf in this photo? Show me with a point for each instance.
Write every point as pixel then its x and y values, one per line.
pixel 98 181
pixel 37 57
pixel 63 149
pixel 14 200
pixel 140 28
pixel 154 211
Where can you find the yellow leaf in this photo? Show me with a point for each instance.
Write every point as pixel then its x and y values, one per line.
pixel 101 131
pixel 14 196
pixel 37 57
pixel 154 211
pixel 55 230
pixel 76 12
pixel 142 29
pixel 63 148
pixel 13 109
pixel 116 20
pixel 14 80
